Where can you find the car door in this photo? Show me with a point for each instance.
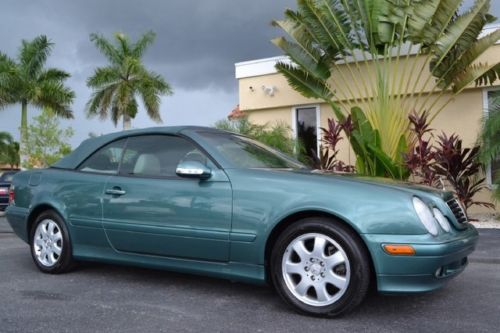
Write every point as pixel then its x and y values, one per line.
pixel 149 209
pixel 82 191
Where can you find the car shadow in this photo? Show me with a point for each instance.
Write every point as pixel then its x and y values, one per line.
pixel 261 296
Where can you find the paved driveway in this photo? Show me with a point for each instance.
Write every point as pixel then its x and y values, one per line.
pixel 107 298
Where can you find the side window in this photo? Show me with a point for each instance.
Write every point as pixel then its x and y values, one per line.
pixel 158 155
pixel 105 160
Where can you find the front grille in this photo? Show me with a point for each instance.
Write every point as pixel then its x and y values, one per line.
pixel 457 210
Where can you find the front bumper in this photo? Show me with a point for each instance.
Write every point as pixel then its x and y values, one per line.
pixel 436 260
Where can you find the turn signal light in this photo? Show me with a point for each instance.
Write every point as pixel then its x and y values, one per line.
pixel 399 250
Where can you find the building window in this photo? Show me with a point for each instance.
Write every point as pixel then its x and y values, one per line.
pixel 492 104
pixel 306 129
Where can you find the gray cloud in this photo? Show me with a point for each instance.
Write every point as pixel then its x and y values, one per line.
pixel 198 42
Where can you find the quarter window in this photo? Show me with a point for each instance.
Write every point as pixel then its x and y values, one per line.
pixel 105 160
pixel 158 155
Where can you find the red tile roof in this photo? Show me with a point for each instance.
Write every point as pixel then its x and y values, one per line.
pixel 236 113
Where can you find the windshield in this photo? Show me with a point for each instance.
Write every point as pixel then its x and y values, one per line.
pixel 246 153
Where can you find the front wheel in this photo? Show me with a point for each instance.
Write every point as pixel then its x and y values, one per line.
pixel 50 243
pixel 320 267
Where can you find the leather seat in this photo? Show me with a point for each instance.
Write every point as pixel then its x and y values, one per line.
pixel 147 164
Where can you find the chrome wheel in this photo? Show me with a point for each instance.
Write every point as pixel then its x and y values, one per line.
pixel 47 243
pixel 316 269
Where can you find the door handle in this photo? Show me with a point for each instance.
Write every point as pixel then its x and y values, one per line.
pixel 115 191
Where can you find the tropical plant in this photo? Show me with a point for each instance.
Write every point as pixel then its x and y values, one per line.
pixel 461 168
pixel 27 82
pixel 371 159
pixel 490 142
pixel 332 135
pixel 46 142
pixel 240 125
pixel 9 150
pixel 388 57
pixel 117 85
pixel 445 161
pixel 276 135
pixel 420 158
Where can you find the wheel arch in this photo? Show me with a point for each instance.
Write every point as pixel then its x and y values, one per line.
pixel 35 212
pixel 297 216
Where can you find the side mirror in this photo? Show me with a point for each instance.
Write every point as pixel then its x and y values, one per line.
pixel 193 169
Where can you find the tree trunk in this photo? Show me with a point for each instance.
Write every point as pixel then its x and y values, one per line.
pixel 126 122
pixel 24 133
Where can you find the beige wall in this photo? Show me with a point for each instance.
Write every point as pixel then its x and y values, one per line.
pixel 462 115
pixel 253 97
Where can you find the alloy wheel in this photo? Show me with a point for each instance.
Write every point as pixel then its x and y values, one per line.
pixel 316 269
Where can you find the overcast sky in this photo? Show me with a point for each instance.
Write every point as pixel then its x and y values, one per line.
pixel 197 44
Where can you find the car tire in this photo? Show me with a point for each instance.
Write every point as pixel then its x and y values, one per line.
pixel 320 267
pixel 50 243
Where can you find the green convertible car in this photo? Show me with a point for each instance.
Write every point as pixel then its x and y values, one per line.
pixel 204 201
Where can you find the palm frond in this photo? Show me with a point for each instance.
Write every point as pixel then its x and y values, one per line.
pixel 52 74
pixel 447 10
pixel 300 36
pixel 106 48
pixel 56 96
pixel 151 101
pixel 310 61
pixel 418 17
pixel 473 73
pixel 104 76
pixel 142 44
pixel 324 30
pixel 33 55
pixel 123 43
pixel 100 102
pixel 304 83
pixel 456 65
pixel 490 76
pixel 461 33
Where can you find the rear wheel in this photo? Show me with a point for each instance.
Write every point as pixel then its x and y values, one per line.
pixel 50 243
pixel 320 267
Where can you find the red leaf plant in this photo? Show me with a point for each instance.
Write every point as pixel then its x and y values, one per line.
pixel 331 137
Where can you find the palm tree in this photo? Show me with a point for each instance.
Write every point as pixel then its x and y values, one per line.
pixel 349 53
pixel 117 85
pixel 27 82
pixel 9 150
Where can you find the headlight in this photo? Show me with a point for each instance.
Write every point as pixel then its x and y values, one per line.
pixel 443 221
pixel 425 215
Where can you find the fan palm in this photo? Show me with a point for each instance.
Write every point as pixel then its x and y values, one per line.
pixel 377 53
pixel 117 85
pixel 27 82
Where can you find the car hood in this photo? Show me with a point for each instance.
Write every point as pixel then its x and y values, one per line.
pixel 383 182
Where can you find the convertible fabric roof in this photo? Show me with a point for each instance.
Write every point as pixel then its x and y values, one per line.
pixel 87 147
